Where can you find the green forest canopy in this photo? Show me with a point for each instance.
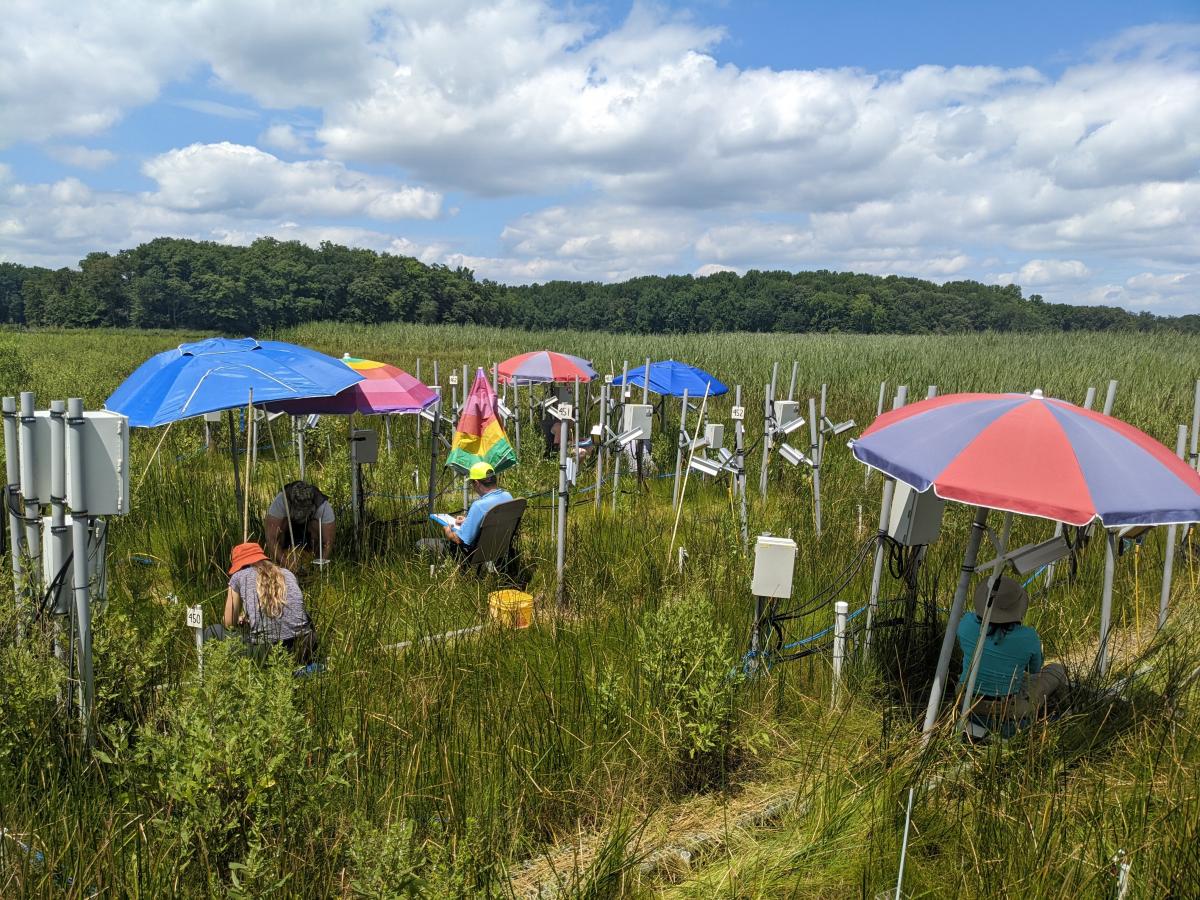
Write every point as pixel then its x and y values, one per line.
pixel 200 285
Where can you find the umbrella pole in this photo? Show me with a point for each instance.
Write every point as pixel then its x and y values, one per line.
pixel 977 657
pixel 299 426
pixel 1172 532
pixel 246 492
pixel 355 474
pixel 237 478
pixel 1110 562
pixel 956 608
pixel 679 444
pixel 516 405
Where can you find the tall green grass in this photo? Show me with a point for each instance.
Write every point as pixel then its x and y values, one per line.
pixel 451 767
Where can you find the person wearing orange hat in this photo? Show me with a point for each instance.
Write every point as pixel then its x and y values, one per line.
pixel 266 600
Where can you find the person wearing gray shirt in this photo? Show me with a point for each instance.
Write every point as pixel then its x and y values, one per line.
pixel 267 599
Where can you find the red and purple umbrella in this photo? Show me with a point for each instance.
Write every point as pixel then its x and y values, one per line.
pixel 384 389
pixel 545 367
pixel 1029 454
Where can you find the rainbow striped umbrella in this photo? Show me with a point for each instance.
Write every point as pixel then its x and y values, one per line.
pixel 383 389
pixel 479 435
pixel 1029 454
pixel 545 367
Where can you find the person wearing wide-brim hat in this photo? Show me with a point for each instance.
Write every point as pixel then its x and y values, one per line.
pixel 1013 682
pixel 266 600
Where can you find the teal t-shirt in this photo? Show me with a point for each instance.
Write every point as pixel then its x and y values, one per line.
pixel 1006 657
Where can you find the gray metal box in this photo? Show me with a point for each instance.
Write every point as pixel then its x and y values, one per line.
pixel 786 411
pixel 105 462
pixel 774 563
pixel 916 518
pixel 714 435
pixel 364 446
pixel 638 415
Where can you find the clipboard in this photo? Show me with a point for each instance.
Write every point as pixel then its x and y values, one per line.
pixel 442 519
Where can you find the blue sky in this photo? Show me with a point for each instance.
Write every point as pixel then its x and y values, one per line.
pixel 1053 144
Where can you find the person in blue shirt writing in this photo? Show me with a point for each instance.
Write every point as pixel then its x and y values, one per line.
pixel 1013 683
pixel 461 536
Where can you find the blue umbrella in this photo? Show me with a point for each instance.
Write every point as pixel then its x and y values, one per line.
pixel 672 378
pixel 219 373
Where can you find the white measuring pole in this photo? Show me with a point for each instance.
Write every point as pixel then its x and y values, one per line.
pixel 885 519
pixel 79 564
pixel 680 441
pixel 12 474
pixel 1172 535
pixel 840 609
pixel 815 455
pixel 956 609
pixel 904 843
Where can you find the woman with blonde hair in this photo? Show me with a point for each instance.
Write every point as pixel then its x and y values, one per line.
pixel 268 599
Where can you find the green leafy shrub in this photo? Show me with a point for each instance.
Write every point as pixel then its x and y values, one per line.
pixel 384 861
pixel 229 758
pixel 686 666
pixel 31 681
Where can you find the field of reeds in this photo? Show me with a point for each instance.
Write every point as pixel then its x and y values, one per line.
pixel 618 746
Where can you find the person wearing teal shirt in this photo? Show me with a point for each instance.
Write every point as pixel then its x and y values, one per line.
pixel 1013 681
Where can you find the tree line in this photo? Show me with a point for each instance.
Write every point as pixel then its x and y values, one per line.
pixel 204 286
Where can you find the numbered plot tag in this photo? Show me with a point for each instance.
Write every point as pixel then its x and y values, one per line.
pixel 608 379
pixel 738 413
pixel 195 617
pixel 453 380
pixel 566 410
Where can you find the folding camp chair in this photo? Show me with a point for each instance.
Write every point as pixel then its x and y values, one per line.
pixel 493 550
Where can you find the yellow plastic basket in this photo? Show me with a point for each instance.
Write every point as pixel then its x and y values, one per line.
pixel 512 608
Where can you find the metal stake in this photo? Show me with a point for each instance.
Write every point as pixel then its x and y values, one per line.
pixel 82 589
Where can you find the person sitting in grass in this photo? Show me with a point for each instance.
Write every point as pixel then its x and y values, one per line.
pixel 266 601
pixel 1013 683
pixel 464 533
pixel 299 520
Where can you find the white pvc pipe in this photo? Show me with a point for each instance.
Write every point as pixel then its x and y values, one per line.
pixel 1172 532
pixel 878 413
pixel 600 442
pixel 79 565
pixel 938 688
pixel 620 415
pixel 1110 397
pixel 1089 398
pixel 792 381
pixel 931 392
pixel 840 609
pixel 58 482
